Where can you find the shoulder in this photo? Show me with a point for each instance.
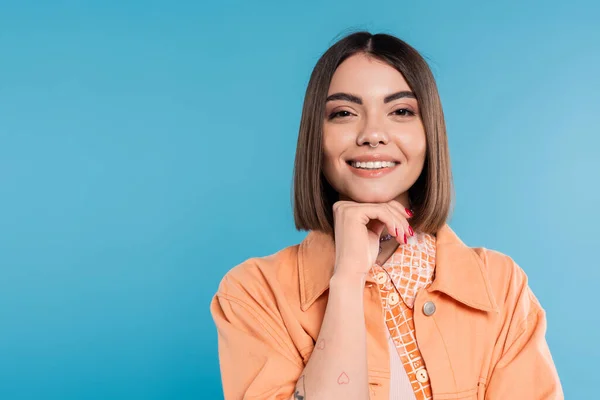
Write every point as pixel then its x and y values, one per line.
pixel 508 281
pixel 258 277
pixel 501 268
pixel 251 305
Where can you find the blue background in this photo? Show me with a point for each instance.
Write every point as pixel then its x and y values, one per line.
pixel 147 147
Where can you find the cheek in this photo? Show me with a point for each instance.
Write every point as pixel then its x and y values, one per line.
pixel 333 146
pixel 328 152
pixel 414 145
pixel 330 168
pixel 329 156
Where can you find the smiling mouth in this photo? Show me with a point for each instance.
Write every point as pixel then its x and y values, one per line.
pixel 372 165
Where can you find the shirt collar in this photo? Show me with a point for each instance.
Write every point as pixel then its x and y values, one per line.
pixel 460 272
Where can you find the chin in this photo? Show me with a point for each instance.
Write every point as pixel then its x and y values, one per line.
pixel 382 196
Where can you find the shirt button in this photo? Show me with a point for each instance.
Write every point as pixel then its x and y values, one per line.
pixel 393 298
pixel 422 375
pixel 381 277
pixel 428 308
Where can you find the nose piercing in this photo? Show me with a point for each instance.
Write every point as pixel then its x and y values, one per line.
pixel 371 144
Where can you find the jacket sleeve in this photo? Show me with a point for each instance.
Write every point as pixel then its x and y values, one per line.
pixel 257 358
pixel 525 370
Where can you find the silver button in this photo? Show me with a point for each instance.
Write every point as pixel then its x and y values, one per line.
pixel 428 308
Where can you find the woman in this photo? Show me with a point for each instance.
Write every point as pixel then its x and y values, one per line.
pixel 381 300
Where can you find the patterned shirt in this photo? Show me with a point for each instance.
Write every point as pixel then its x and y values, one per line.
pixel 407 271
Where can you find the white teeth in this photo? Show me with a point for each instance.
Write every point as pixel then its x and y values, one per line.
pixel 373 164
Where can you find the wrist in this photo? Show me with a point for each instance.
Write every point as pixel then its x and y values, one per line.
pixel 348 279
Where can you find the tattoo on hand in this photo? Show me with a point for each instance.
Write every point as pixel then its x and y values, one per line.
pixel 321 344
pixel 300 393
pixel 343 379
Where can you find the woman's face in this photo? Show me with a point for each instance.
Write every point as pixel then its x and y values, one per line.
pixel 370 103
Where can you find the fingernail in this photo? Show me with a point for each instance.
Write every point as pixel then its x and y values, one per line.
pixel 396 232
pixel 405 241
pixel 410 214
pixel 410 230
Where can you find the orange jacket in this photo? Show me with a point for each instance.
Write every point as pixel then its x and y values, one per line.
pixel 485 340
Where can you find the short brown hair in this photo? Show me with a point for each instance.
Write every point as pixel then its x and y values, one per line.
pixel 432 194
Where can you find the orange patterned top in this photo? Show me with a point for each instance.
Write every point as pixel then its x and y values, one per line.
pixel 407 271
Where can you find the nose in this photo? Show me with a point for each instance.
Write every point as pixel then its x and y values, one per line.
pixel 372 136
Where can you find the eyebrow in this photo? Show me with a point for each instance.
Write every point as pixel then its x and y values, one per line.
pixel 355 99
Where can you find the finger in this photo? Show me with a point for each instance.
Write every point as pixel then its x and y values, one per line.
pixel 383 214
pixel 401 223
pixel 403 212
pixel 340 204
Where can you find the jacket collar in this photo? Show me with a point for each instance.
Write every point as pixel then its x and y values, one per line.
pixel 459 272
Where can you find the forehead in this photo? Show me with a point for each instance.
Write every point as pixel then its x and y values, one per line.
pixel 367 76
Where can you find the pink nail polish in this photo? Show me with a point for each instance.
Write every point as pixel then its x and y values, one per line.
pixel 405 241
pixel 410 230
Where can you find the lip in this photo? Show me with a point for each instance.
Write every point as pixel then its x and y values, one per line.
pixel 373 157
pixel 375 173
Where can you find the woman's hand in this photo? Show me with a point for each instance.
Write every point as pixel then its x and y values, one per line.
pixel 357 228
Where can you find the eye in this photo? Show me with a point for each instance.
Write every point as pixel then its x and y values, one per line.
pixel 342 114
pixel 404 112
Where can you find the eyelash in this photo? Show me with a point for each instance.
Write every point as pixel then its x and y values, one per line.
pixel 336 114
